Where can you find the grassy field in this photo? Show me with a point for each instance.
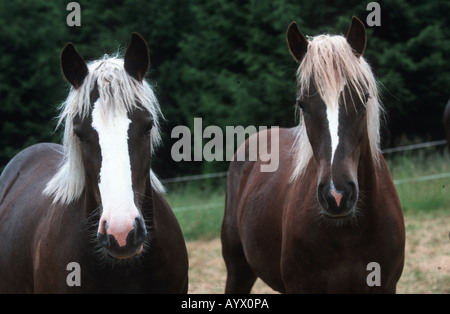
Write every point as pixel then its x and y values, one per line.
pixel 426 270
pixel 199 207
pixel 422 196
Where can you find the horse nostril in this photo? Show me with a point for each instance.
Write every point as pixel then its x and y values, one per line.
pixel 352 194
pixel 104 238
pixel 337 201
pixel 102 235
pixel 140 231
pixel 322 195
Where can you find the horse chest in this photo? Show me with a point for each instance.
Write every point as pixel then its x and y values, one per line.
pixel 327 260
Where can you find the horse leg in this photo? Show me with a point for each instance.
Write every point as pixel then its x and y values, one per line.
pixel 240 276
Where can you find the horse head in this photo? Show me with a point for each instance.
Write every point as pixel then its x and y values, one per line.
pixel 339 112
pixel 110 121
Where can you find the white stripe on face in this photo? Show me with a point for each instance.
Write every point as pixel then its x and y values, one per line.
pixel 333 126
pixel 115 185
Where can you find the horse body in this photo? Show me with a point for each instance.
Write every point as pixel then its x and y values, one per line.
pixel 447 123
pixel 272 229
pixel 330 210
pixel 254 207
pixel 40 239
pixel 18 203
pixel 119 230
pixel 332 258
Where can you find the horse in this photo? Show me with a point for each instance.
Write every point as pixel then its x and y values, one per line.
pixel 447 124
pixel 90 216
pixel 329 219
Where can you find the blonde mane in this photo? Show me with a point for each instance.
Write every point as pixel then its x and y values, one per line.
pixel 119 92
pixel 330 64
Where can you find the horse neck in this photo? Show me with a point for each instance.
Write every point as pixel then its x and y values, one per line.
pixel 367 170
pixel 148 203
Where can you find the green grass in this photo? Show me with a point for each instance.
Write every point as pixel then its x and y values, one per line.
pixel 199 205
pixel 423 196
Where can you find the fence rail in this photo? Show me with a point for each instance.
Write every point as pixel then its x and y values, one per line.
pixel 414 146
pixel 385 151
pixel 423 178
pixel 396 182
pixel 195 177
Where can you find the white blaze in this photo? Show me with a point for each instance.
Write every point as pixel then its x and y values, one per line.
pixel 333 126
pixel 115 173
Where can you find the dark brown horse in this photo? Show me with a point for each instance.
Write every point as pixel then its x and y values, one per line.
pixel 329 219
pixel 447 123
pixel 90 216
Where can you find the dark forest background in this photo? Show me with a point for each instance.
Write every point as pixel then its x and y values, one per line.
pixel 223 60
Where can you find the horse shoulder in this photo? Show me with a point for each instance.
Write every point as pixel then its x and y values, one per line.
pixel 164 216
pixel 249 187
pixel 168 248
pixel 22 207
pixel 387 193
pixel 392 226
pixel 255 204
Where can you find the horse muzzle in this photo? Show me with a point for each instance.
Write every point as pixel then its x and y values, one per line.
pixel 122 240
pixel 338 203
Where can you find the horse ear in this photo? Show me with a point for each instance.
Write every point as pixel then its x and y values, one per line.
pixel 356 36
pixel 73 66
pixel 137 58
pixel 297 42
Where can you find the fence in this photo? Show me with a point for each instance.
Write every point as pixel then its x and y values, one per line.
pixel 385 151
pixel 414 146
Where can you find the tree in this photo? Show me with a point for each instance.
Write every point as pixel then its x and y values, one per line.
pixel 235 68
pixel 30 81
pixel 224 60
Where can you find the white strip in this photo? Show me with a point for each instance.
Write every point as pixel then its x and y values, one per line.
pixel 333 125
pixel 115 174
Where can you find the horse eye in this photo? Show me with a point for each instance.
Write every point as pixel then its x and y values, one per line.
pixel 81 131
pixel 361 110
pixel 82 136
pixel 148 127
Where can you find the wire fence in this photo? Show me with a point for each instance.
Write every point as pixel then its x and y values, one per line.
pixel 414 146
pixel 385 151
pixel 195 177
